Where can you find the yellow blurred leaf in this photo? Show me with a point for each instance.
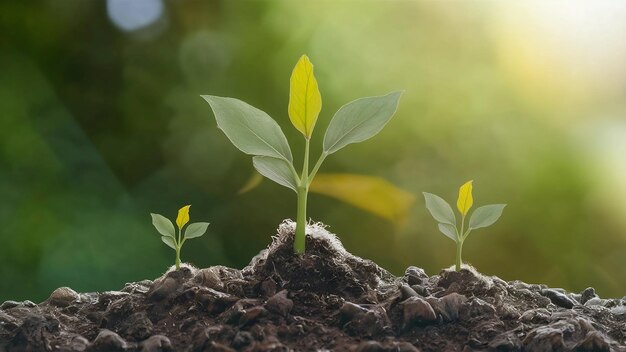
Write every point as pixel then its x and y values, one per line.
pixel 254 180
pixel 372 194
pixel 183 216
pixel 465 201
pixel 305 101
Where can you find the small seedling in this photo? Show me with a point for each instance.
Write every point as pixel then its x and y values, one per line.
pixel 442 212
pixel 255 133
pixel 175 239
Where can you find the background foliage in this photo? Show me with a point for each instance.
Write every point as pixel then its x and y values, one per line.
pixel 101 123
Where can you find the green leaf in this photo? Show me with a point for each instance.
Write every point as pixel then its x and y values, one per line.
pixel 486 215
pixel 196 229
pixel 169 241
pixel 439 209
pixel 249 129
pixel 163 225
pixel 449 231
pixel 277 170
pixel 359 120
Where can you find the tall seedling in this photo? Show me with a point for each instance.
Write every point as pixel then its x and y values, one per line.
pixel 255 133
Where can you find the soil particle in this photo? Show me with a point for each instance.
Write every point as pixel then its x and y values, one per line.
pixel 63 297
pixel 417 311
pixel 559 298
pixel 280 304
pixel 156 343
pixel 323 300
pixel 587 294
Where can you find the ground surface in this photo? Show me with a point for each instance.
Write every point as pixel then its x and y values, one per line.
pixel 326 299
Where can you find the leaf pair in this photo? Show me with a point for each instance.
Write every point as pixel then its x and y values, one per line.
pixel 255 133
pixel 442 212
pixel 169 235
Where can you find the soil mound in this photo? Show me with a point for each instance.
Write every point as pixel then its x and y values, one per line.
pixel 325 299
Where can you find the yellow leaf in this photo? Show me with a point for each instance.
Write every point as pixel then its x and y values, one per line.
pixel 254 180
pixel 183 216
pixel 465 201
pixel 305 101
pixel 372 194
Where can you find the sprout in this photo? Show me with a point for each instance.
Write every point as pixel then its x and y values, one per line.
pixel 175 239
pixel 255 133
pixel 442 212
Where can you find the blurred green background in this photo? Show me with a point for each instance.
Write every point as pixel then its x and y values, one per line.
pixel 101 123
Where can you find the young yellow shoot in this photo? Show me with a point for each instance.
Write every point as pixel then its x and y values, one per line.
pixel 183 216
pixel 465 201
pixel 305 101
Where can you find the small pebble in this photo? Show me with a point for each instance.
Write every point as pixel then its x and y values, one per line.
pixel 447 306
pixel 587 294
pixel 415 275
pixel 77 344
pixel 280 304
pixel 162 289
pixel 108 341
pixel 559 298
pixel 370 346
pixel 156 343
pixel 63 297
pixel 407 292
pixel 350 310
pixel 207 277
pixel 9 304
pixel 417 311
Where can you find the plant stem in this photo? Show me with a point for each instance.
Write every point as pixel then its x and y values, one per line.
pixel 178 245
pixel 177 257
pixel 459 245
pixel 303 189
pixel 459 249
pixel 317 166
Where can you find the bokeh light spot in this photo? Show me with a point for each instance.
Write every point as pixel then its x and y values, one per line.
pixel 131 15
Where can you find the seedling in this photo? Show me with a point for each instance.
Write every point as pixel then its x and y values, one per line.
pixel 175 239
pixel 442 212
pixel 255 133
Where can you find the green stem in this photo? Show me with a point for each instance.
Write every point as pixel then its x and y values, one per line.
pixel 178 245
pixel 303 189
pixel 317 166
pixel 459 249
pixel 459 245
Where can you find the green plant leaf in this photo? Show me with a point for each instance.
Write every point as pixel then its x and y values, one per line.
pixel 359 120
pixel 486 215
pixel 249 129
pixel 305 101
pixel 169 241
pixel 449 231
pixel 439 209
pixel 277 170
pixel 163 225
pixel 196 229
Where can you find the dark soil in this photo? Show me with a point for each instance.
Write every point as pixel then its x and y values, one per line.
pixel 326 299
